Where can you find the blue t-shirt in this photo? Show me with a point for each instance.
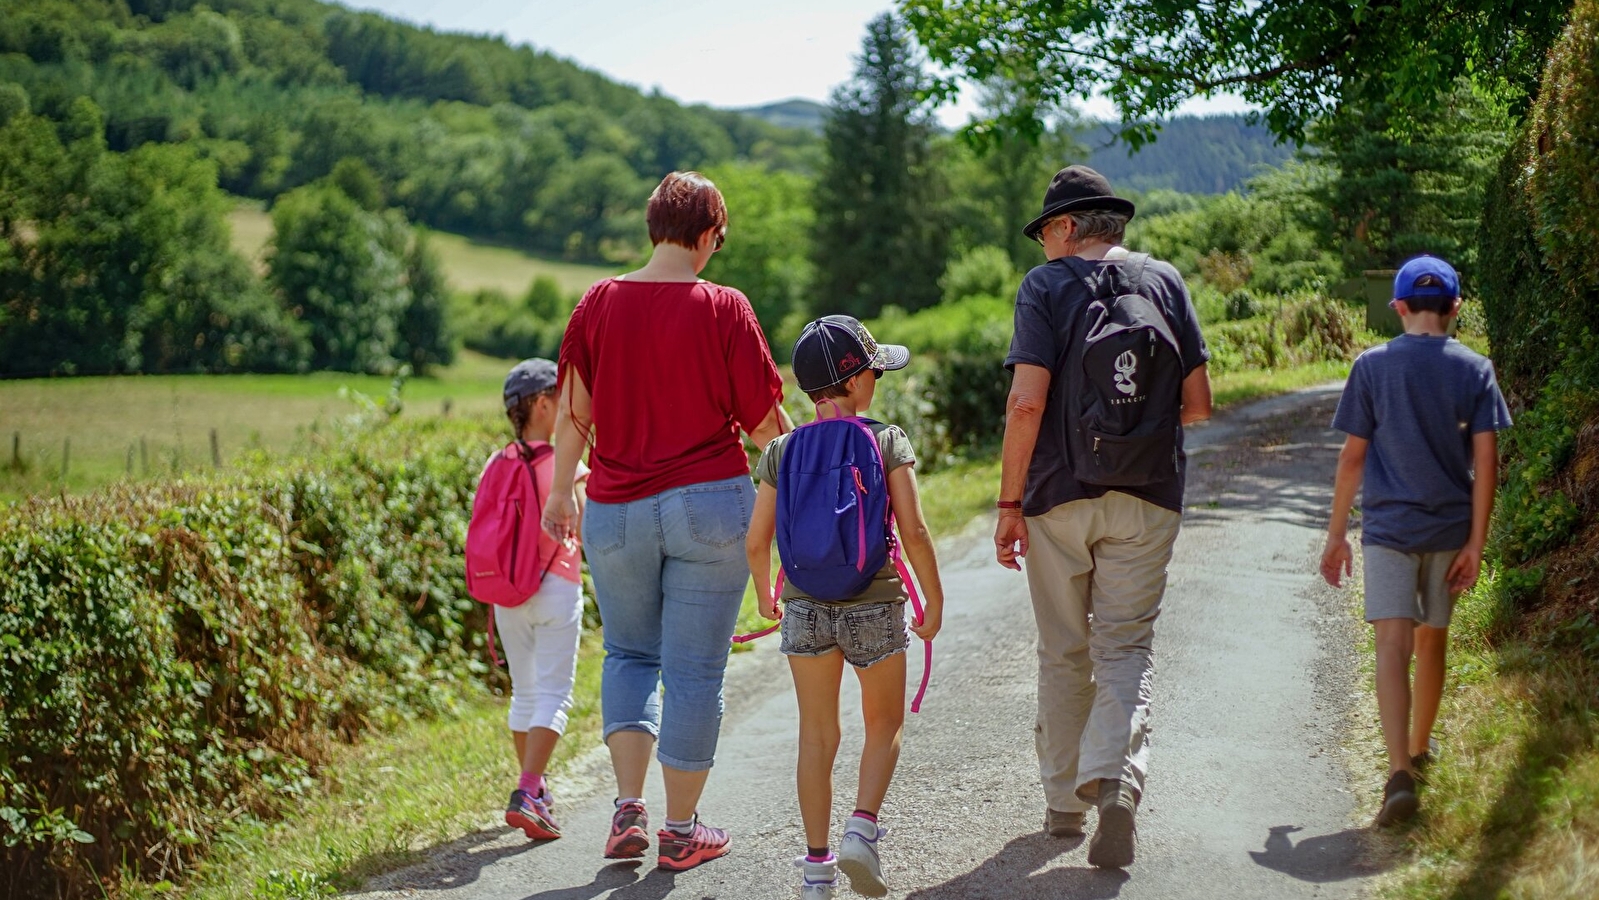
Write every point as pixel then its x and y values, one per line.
pixel 1420 400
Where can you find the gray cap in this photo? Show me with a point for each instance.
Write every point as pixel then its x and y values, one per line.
pixel 530 376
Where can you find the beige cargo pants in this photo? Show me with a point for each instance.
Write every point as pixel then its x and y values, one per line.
pixel 1096 570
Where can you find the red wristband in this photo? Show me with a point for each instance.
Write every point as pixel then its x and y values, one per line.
pixel 1009 504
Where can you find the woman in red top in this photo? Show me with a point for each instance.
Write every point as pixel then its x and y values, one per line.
pixel 660 371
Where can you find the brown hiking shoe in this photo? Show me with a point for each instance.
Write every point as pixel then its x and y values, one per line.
pixel 1063 824
pixel 1399 799
pixel 1116 837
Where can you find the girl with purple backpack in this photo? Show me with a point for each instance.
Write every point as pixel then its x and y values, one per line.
pixel 537 605
pixel 830 493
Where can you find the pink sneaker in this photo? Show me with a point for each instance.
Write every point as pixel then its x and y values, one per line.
pixel 532 815
pixel 628 838
pixel 685 851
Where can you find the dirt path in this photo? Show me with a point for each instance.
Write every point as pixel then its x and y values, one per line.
pixel 1247 794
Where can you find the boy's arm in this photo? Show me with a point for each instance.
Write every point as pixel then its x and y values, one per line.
pixel 917 543
pixel 1463 571
pixel 1339 558
pixel 758 547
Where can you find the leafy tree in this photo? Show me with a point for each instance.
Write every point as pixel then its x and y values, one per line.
pixel 425 336
pixel 767 254
pixel 1410 185
pixel 1298 61
pixel 341 269
pixel 880 238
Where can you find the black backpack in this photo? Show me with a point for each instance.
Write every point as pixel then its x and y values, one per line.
pixel 1124 378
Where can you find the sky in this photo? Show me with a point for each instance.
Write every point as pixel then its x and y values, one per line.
pixel 725 53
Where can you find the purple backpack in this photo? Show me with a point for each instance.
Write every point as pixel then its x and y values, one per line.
pixel 833 516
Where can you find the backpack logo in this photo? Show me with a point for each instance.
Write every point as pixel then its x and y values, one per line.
pixel 1126 365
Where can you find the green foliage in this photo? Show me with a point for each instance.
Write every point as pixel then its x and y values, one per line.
pixel 981 271
pixel 1210 154
pixel 425 339
pixel 1268 239
pixel 1297 61
pixel 465 133
pixel 768 249
pixel 1410 181
pixel 495 324
pixel 342 270
pixel 173 654
pixel 1309 328
pixel 136 274
pixel 879 237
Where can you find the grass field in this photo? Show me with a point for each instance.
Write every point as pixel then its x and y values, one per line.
pixel 106 428
pixel 468 264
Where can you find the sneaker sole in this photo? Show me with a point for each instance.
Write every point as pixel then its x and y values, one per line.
pixel 630 845
pixel 531 826
pixel 862 880
pixel 1061 831
pixel 1400 807
pixel 697 858
pixel 1114 839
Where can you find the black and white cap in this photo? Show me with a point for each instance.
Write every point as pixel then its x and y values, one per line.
pixel 834 349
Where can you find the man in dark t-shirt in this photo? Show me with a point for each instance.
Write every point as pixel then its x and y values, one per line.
pixel 1089 547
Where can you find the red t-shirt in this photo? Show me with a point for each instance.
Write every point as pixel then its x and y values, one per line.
pixel 676 370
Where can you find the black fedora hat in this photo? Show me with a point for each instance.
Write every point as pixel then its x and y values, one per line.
pixel 1074 188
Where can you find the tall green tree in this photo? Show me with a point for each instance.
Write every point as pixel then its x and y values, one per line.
pixel 1409 184
pixel 768 249
pixel 880 236
pixel 342 270
pixel 425 336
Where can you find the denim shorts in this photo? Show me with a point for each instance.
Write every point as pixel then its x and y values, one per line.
pixel 866 633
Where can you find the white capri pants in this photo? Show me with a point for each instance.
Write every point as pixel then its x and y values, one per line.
pixel 540 639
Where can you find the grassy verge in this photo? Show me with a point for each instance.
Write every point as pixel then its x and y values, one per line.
pixel 1232 388
pixel 388 800
pixel 1511 806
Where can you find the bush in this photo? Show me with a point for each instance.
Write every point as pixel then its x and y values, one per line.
pixel 980 271
pixel 173 654
pixel 492 323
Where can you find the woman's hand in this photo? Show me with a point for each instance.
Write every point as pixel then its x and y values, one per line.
pixel 560 516
pixel 932 621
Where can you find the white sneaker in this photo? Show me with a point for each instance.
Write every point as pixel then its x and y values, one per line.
pixel 857 857
pixel 820 878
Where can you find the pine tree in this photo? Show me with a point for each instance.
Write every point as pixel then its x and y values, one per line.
pixel 880 238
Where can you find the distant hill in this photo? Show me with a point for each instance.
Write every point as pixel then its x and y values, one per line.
pixel 797 113
pixel 1194 154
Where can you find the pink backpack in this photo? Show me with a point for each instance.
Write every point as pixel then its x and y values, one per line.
pixel 507 552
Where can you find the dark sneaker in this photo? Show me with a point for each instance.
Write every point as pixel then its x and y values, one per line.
pixel 1399 800
pixel 1420 762
pixel 532 815
pixel 1063 824
pixel 685 851
pixel 628 839
pixel 1116 837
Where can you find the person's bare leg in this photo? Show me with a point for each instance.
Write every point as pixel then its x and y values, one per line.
pixel 816 681
pixel 534 748
pixel 630 760
pixel 683 789
pixel 1430 644
pixel 1395 643
pixel 883 709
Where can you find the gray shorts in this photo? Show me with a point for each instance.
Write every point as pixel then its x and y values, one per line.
pixel 1403 585
pixel 867 633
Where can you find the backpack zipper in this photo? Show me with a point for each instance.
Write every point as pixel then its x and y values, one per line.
pixel 860 519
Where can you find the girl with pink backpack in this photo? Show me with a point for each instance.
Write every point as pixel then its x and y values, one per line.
pixel 533 585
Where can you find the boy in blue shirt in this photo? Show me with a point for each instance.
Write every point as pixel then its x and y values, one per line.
pixel 1421 413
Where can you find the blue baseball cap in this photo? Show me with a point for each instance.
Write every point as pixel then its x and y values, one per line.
pixel 530 376
pixel 1426 276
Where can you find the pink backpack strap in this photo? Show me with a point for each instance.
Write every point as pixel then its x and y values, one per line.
pixel 916 608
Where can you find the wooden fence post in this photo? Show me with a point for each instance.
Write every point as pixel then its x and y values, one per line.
pixel 144 457
pixel 130 460
pixel 66 456
pixel 216 451
pixel 16 450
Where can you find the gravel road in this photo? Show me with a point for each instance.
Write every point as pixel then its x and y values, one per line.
pixel 1248 791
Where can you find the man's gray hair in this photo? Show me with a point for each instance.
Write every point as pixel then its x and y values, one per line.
pixel 1100 225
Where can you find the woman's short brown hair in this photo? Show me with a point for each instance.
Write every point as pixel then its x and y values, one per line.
pixel 684 206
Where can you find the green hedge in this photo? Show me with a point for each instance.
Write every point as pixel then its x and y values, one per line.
pixel 172 655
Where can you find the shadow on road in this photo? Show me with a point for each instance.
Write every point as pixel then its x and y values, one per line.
pixel 1319 859
pixel 621 877
pixel 469 866
pixel 1012 874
